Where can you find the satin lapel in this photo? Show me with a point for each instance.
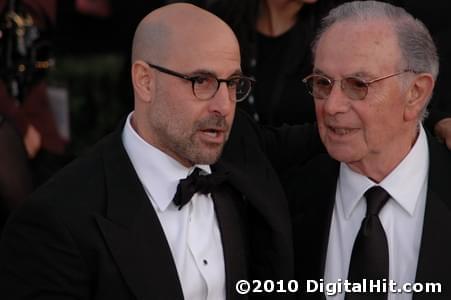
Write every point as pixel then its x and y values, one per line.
pixel 314 198
pixel 330 194
pixel 434 262
pixel 133 232
pixel 269 220
pixel 228 204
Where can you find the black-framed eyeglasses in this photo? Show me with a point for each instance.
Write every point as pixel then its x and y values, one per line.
pixel 206 85
pixel 320 86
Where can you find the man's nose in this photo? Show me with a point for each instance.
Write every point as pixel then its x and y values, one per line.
pixel 338 101
pixel 223 101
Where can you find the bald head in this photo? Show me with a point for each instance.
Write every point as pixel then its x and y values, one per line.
pixel 173 28
pixel 170 43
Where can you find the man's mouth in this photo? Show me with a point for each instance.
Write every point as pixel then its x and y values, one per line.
pixel 212 132
pixel 213 135
pixel 342 131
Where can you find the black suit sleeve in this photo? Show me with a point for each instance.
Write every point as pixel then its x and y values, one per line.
pixel 39 259
pixel 284 146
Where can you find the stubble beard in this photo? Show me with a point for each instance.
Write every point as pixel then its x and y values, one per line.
pixel 197 151
pixel 186 146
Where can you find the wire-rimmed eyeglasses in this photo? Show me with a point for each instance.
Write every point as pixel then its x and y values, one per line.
pixel 206 85
pixel 320 86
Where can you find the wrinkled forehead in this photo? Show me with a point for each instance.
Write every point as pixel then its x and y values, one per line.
pixel 350 47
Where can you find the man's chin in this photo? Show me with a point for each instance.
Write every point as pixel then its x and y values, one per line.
pixel 207 156
pixel 342 156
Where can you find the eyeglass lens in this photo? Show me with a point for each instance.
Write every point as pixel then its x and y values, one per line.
pixel 205 87
pixel 321 87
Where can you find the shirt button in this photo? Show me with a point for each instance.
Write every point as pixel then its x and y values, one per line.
pixel 256 117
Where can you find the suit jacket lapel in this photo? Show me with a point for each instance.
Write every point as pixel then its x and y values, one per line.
pixel 330 194
pixel 267 219
pixel 312 213
pixel 233 237
pixel 434 260
pixel 321 216
pixel 133 232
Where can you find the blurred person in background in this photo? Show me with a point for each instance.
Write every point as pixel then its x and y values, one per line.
pixel 15 176
pixel 25 46
pixel 275 37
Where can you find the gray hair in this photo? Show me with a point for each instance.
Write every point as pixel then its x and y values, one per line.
pixel 417 47
pixel 415 41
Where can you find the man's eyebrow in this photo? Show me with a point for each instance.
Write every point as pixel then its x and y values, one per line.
pixel 237 73
pixel 202 72
pixel 319 72
pixel 358 74
pixel 363 75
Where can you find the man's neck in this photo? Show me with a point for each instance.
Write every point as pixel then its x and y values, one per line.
pixel 381 164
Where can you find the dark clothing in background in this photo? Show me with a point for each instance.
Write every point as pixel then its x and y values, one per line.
pixel 435 15
pixel 35 111
pixel 282 62
pixel 78 33
pixel 15 177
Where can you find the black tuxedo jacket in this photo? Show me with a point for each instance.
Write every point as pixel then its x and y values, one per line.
pixel 91 232
pixel 313 192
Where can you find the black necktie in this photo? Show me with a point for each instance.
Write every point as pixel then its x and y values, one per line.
pixel 369 259
pixel 197 183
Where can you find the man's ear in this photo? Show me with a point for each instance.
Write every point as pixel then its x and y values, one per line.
pixel 417 96
pixel 142 79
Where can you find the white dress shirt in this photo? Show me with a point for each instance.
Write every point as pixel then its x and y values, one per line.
pixel 402 217
pixel 192 233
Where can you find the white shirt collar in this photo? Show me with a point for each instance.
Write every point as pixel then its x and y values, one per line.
pixel 158 172
pixel 404 183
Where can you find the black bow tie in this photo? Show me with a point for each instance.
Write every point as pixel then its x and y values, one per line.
pixel 197 183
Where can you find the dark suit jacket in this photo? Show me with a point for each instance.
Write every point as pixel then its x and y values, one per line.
pixel 91 233
pixel 313 193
